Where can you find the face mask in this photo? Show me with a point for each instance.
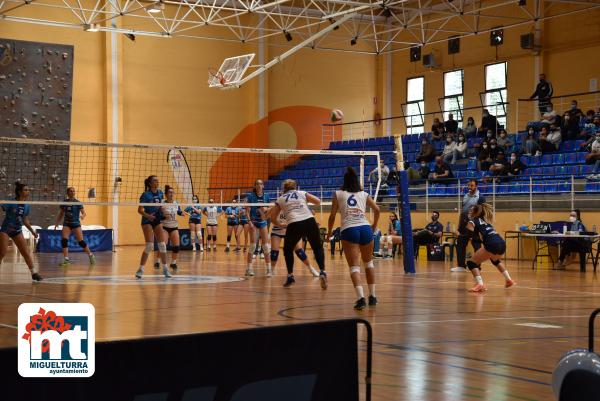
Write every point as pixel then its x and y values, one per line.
pixel 461 138
pixel 531 132
pixel 573 106
pixel 485 146
pixel 493 146
pixel 513 158
pixel 572 219
pixel 489 134
pixel 503 135
pixel 423 164
pixel 424 143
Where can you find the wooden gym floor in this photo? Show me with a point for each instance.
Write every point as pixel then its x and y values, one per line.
pixel 433 340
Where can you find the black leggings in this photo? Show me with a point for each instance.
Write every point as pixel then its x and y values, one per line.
pixel 574 246
pixel 294 232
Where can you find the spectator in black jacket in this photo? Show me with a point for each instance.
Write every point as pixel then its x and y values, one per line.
pixel 431 234
pixel 543 93
pixel 515 167
pixel 499 165
pixel 489 122
pixel 437 130
pixel 569 128
pixel 484 159
pixel 427 152
pixel 451 125
pixel 424 170
pixel 575 112
pixel 442 170
pixel 470 129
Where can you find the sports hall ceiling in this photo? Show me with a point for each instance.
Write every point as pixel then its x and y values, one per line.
pixel 375 26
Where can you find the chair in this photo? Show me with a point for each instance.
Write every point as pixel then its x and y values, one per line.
pixel 546 160
pixel 557 159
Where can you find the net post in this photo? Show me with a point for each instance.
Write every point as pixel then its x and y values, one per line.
pixel 362 171
pixel 403 203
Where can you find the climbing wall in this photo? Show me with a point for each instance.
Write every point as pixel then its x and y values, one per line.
pixel 36 81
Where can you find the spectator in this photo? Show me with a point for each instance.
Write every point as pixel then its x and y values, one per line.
pixel 586 126
pixel 499 165
pixel 494 149
pixel 441 171
pixel 424 170
pixel 449 148
pixel 483 158
pixel 543 93
pixel 515 166
pixel 504 141
pixel 470 129
pixel 413 174
pixel 431 234
pixel 437 130
pixel 575 112
pixel 489 135
pixel 594 158
pixel 451 125
pixel 427 152
pixel 572 245
pixel 549 115
pixel 549 140
pixel 531 146
pixel 569 127
pixel 385 172
pixel 489 122
pixel 460 152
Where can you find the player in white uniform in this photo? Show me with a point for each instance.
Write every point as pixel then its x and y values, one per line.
pixel 277 234
pixel 356 233
pixel 300 222
pixel 170 210
pixel 212 214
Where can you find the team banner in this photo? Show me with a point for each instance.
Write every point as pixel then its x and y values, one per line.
pixel 97 240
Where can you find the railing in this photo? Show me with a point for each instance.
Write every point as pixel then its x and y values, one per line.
pixel 527 109
pixel 369 128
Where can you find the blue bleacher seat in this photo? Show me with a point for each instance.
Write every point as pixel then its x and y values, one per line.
pixel 557 159
pixel 572 170
pixel 471 164
pixel 546 160
pixel 564 186
pixel 502 188
pixel 581 157
pixel 550 187
pixel 560 170
pixel 534 161
pixel 586 169
pixel 592 186
pixel 548 171
pixel 534 171
pixel 570 158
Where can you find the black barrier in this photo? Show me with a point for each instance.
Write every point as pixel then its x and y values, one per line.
pixel 302 362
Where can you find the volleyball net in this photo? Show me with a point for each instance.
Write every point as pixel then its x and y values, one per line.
pixel 113 174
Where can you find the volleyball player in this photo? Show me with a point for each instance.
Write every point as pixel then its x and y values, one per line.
pixel 195 223
pixel 212 224
pixel 278 230
pixel 300 222
pixel 393 236
pixel 493 247
pixel 152 225
pixel 15 217
pixel 356 233
pixel 259 229
pixel 233 226
pixel 170 210
pixel 71 224
pixel 244 224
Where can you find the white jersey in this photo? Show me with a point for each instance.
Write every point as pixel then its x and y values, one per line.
pixel 212 214
pixel 280 230
pixel 352 208
pixel 293 205
pixel 170 211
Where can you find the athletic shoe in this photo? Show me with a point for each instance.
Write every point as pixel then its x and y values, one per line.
pixel 478 288
pixel 360 304
pixel 269 272
pixel 372 300
pixel 249 272
pixel 139 273
pixel 323 278
pixel 201 249
pixel 226 249
pixel 262 255
pixel 459 269
pixel 174 266
pixel 237 249
pixel 194 248
pixel 377 255
pixel 289 281
pixel 92 259
pixel 36 277
pixel 253 256
pixel 166 272
pixel 65 263
pixel 208 249
pixel 509 283
pixel 156 265
pixel 314 272
pixel 214 248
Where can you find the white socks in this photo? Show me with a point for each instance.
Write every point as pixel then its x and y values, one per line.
pixel 359 291
pixel 506 275
pixel 479 280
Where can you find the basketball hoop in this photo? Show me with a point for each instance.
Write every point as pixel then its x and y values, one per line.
pixel 230 73
pixel 216 78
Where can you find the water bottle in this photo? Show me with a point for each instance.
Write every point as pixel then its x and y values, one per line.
pixel 448 227
pixel 516 226
pixel 564 229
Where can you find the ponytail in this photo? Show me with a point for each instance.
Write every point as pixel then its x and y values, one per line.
pixel 19 186
pixel 148 182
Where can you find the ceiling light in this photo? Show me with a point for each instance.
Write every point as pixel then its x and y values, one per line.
pixel 156 7
pixel 90 27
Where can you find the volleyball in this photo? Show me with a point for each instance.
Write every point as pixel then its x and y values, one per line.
pixel 336 115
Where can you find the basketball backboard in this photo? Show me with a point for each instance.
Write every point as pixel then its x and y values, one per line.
pixel 231 71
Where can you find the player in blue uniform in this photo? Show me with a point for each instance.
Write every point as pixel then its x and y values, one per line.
pixel 15 217
pixel 258 219
pixel 152 225
pixel 233 226
pixel 493 247
pixel 244 224
pixel 72 214
pixel 195 222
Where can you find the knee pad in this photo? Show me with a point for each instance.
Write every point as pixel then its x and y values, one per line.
pixel 301 254
pixel 199 234
pixel 370 265
pixel 496 262
pixel 274 256
pixel 472 265
pixel 82 244
pixel 162 247
pixel 266 249
pixel 354 269
pixel 175 249
pixel 252 249
pixel 149 248
pixel 215 237
pixel 228 238
pixel 64 242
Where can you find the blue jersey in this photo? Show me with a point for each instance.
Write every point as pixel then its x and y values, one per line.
pixel 232 214
pixel 152 197
pixel 395 225
pixel 252 197
pixel 486 232
pixel 14 218
pixel 72 213
pixel 243 215
pixel 193 214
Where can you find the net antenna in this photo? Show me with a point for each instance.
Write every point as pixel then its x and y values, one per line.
pixel 230 73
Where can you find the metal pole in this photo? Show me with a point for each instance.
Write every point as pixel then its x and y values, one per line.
pixel 426 197
pixel 572 192
pixel 530 200
pixel 494 199
pixel 459 203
